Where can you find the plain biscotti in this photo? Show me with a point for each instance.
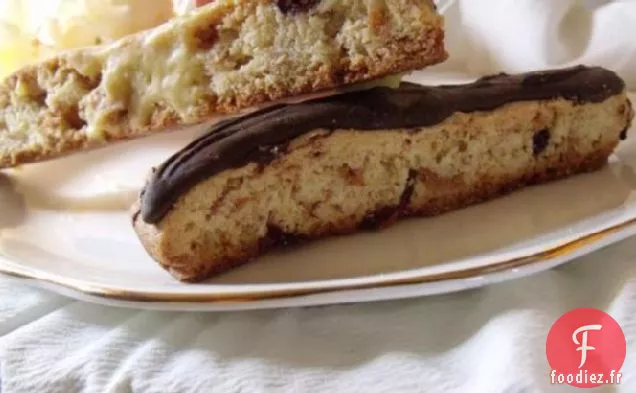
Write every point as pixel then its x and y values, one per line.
pixel 363 160
pixel 221 59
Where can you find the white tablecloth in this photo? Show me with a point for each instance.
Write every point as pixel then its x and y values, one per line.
pixel 490 340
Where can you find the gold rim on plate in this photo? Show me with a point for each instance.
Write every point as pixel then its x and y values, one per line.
pixel 167 297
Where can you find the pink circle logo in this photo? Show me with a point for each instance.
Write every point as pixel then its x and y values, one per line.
pixel 586 348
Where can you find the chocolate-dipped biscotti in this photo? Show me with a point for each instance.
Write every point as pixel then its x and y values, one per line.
pixel 365 159
pixel 218 60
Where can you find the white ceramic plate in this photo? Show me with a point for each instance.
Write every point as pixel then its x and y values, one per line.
pixel 64 226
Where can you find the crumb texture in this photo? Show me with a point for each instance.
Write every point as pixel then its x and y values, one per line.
pixel 218 60
pixel 328 183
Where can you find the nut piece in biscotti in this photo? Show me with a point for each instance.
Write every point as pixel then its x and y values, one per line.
pixel 218 60
pixel 363 160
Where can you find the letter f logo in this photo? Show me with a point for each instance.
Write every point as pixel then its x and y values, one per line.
pixel 583 344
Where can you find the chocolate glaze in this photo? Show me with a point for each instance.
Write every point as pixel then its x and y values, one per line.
pixel 296 6
pixel 262 136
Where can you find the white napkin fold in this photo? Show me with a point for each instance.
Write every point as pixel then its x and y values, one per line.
pixel 490 340
pixel 524 35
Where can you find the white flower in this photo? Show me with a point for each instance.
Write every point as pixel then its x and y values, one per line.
pixel 33 29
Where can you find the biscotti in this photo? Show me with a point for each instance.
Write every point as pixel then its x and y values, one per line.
pixel 365 159
pixel 219 60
